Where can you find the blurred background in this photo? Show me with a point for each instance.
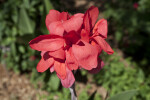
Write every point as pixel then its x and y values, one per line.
pixel 128 34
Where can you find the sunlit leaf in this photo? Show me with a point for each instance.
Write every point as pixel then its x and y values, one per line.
pixel 48 5
pixel 54 82
pixel 26 3
pixel 13 49
pixel 22 49
pixel 26 25
pixel 127 95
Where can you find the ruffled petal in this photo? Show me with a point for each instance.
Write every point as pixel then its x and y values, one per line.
pixel 93 11
pixel 47 43
pixel 98 68
pixel 56 28
pixel 90 18
pixel 73 24
pixel 60 69
pixel 86 55
pixel 69 80
pixel 52 17
pixel 58 54
pixel 45 63
pixel 64 16
pixel 104 45
pixel 101 28
pixel 71 61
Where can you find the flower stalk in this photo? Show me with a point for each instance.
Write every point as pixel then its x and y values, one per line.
pixel 73 92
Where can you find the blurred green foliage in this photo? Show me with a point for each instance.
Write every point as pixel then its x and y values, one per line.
pixel 20 22
pixel 121 75
pixel 23 20
pixel 129 22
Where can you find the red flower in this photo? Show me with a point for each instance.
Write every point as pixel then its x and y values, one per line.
pixel 72 42
pixel 135 5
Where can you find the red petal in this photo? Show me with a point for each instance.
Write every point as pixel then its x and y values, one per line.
pixel 101 28
pixel 71 61
pixel 73 24
pixel 104 45
pixel 78 15
pixel 58 54
pixel 56 28
pixel 90 18
pixel 86 22
pixel 47 43
pixel 45 63
pixel 97 46
pixel 42 53
pixel 86 55
pixel 98 68
pixel 71 38
pixel 60 69
pixel 84 35
pixel 69 80
pixel 93 11
pixel 64 16
pixel 52 17
pixel 52 69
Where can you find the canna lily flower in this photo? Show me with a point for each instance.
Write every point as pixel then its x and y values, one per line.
pixel 73 43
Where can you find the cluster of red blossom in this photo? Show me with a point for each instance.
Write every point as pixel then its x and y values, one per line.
pixel 74 42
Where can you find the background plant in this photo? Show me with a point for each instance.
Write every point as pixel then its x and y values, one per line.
pixel 23 20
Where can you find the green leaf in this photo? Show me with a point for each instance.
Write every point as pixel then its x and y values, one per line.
pixel 26 25
pixel 26 3
pixel 54 82
pixel 8 41
pixel 48 5
pixel 15 15
pixel 127 95
pixel 118 36
pixel 13 49
pixel 21 49
pixel 24 65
